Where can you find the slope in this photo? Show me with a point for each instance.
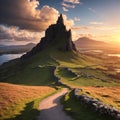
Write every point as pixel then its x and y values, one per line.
pixel 54 59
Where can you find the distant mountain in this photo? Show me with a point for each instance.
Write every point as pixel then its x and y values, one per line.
pixel 85 42
pixel 29 45
pixel 4 49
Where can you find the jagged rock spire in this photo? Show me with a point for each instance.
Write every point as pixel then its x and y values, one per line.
pixel 60 19
pixel 56 37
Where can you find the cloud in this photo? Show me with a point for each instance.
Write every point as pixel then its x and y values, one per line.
pixel 72 1
pixel 65 9
pixel 86 35
pixel 92 10
pixel 81 28
pixel 67 4
pixel 76 35
pixel 22 20
pixel 69 23
pixel 77 19
pixel 97 27
pixel 96 23
pixel 14 34
pixel 98 32
pixel 26 15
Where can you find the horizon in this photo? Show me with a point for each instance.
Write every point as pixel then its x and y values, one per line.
pixel 59 60
pixel 98 20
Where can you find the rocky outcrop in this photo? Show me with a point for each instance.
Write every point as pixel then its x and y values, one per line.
pixel 96 105
pixel 57 37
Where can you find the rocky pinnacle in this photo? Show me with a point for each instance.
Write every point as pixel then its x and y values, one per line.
pixel 56 37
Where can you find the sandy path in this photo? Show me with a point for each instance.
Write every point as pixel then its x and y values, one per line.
pixel 51 109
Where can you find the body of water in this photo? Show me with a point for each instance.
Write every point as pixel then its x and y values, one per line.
pixel 7 57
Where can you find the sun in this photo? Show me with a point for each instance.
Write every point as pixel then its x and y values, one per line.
pixel 117 37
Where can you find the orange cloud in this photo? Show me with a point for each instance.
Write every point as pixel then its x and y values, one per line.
pixel 69 23
pixel 25 21
pixel 96 23
pixel 26 15
pixel 14 34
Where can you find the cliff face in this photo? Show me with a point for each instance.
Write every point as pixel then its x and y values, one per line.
pixel 56 36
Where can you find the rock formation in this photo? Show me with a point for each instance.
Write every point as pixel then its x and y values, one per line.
pixel 56 36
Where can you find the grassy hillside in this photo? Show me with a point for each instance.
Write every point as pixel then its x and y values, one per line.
pixel 108 95
pixel 21 102
pixel 85 77
pixel 54 61
pixel 47 66
pixel 37 70
pixel 45 69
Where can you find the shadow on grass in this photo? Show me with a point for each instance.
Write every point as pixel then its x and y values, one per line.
pixel 79 111
pixel 29 113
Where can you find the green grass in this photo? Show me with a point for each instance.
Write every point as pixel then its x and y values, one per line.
pixel 64 72
pixel 108 95
pixel 18 102
pixel 78 111
pixel 88 82
pixel 84 77
pixel 37 70
pixel 30 110
pixel 28 113
pixel 44 68
pixel 31 76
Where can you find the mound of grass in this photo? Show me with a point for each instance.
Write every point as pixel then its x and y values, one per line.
pixel 19 102
pixel 78 111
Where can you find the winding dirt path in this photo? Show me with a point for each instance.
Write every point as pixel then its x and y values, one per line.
pixel 51 109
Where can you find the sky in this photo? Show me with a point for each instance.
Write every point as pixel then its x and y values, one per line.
pixel 25 21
